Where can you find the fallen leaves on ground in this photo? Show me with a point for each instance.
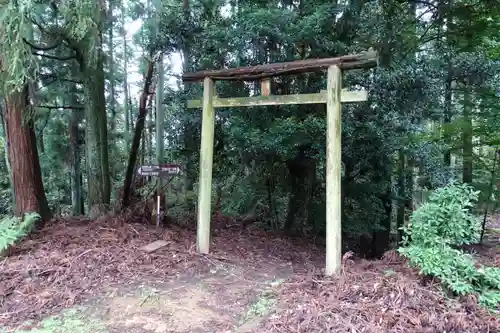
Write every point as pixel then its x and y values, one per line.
pixel 71 260
pixel 375 297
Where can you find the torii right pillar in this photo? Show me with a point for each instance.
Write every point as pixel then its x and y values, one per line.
pixel 333 172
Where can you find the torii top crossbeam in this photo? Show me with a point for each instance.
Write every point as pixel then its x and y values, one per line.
pixel 366 59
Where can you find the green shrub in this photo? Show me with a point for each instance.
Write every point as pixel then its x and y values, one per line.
pixel 14 228
pixel 431 241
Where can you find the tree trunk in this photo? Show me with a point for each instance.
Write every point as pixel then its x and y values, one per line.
pixel 112 91
pixel 96 130
pixel 300 182
pixel 76 173
pixel 447 109
pixel 410 175
pixel 190 145
pixel 111 63
pixel 126 105
pixel 6 147
pixel 41 142
pixel 380 239
pixel 150 131
pixel 82 199
pixel 447 24
pixel 402 204
pixel 142 155
pixel 23 155
pixel 160 114
pixel 467 138
pixel 311 189
pixel 98 178
pixel 293 203
pixel 139 128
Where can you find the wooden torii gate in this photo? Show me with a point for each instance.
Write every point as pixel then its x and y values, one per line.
pixel 333 96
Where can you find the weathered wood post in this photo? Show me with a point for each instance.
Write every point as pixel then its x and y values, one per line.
pixel 206 160
pixel 333 171
pixel 265 87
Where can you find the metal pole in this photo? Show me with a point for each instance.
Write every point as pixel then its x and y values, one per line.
pixel 158 192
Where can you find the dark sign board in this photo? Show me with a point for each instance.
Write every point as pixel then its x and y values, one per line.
pixel 159 170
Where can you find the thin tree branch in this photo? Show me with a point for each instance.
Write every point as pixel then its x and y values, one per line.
pixel 54 57
pixel 47 118
pixel 76 48
pixel 61 107
pixel 46 84
pixel 71 81
pixel 42 29
pixel 53 77
pixel 422 2
pixel 43 48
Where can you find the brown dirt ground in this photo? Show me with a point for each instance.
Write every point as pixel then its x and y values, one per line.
pixel 251 282
pixel 219 301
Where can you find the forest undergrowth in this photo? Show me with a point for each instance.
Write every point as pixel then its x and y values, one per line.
pixel 73 261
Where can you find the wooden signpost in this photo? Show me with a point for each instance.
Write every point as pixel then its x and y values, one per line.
pixel 161 171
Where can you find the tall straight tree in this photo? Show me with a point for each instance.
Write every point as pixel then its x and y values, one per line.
pixel 75 119
pixel 16 74
pixel 96 131
pixel 6 149
pixel 467 134
pixel 112 80
pixel 23 156
pixel 126 105
pixel 160 111
pixel 188 132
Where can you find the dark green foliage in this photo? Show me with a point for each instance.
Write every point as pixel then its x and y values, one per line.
pixel 269 162
pixel 436 229
pixel 284 146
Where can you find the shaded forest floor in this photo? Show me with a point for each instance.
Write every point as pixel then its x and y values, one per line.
pixel 83 276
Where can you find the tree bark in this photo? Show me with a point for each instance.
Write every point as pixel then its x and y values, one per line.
pixel 150 130
pixel 98 177
pixel 96 130
pixel 139 128
pixel 300 173
pixel 381 238
pixel 160 115
pixel 126 105
pixel 447 24
pixel 23 155
pixel 41 142
pixel 189 131
pixel 76 173
pixel 467 138
pixel 111 63
pixel 448 94
pixel 112 90
pixel 6 147
pixel 402 194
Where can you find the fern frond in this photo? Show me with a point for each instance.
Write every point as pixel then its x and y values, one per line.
pixel 13 229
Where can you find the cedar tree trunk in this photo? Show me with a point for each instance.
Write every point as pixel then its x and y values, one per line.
pixel 23 156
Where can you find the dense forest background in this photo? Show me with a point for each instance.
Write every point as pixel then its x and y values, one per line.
pixel 76 86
